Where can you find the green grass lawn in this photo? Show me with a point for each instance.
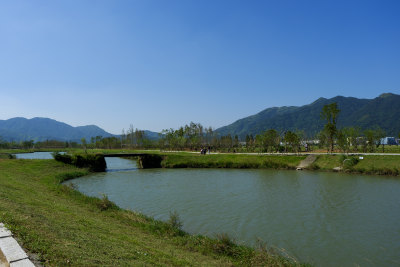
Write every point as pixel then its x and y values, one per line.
pixel 389 165
pixel 370 164
pixel 186 160
pixel 327 162
pixel 64 227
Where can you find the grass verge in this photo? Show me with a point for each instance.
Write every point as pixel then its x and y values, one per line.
pixel 65 227
pixel 368 164
pixel 180 160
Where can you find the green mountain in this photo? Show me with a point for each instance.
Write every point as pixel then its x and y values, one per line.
pixel 41 129
pixel 382 111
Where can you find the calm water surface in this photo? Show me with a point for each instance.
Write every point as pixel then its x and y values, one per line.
pixel 35 155
pixel 326 219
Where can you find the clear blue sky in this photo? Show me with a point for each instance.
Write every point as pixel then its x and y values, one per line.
pixel 161 64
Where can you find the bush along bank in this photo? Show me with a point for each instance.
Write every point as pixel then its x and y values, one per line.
pixel 95 162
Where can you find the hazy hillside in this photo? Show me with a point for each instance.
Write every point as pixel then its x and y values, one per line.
pixel 40 129
pixel 383 111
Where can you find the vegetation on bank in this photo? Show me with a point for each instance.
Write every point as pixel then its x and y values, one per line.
pixel 370 164
pixel 6 156
pixel 362 164
pixel 64 227
pixel 95 162
pixel 186 160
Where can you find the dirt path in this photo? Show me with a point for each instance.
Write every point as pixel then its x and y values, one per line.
pixel 306 162
pixel 3 260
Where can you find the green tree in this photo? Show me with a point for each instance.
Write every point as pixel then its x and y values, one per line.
pixel 379 135
pixel 343 140
pixel 271 140
pixel 352 135
pixel 236 142
pixel 28 144
pixel 83 141
pixel 292 141
pixel 330 113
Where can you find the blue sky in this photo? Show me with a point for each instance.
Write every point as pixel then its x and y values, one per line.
pixel 161 64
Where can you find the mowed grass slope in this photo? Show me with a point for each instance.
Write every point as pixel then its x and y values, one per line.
pixel 369 164
pixel 64 227
pixel 186 160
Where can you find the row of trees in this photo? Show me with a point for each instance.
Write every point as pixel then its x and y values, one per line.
pixel 192 137
pixel 195 136
pixel 30 144
pixel 133 138
pixel 349 139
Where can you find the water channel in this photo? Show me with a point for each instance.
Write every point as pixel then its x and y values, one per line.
pixel 326 219
pixel 35 155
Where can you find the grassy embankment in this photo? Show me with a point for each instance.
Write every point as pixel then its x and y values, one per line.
pixel 185 160
pixel 64 227
pixel 196 160
pixel 370 164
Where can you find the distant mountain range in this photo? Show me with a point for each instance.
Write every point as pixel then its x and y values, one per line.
pixel 382 111
pixel 41 129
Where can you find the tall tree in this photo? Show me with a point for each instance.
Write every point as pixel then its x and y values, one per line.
pixel 271 140
pixel 292 140
pixel 131 132
pixel 83 141
pixel 123 137
pixel 330 113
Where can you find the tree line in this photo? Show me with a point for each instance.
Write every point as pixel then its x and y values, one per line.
pixel 194 136
pixel 347 139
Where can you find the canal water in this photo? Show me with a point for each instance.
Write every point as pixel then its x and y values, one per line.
pixel 35 155
pixel 326 219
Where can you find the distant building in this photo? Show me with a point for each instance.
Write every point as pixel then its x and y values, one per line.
pixel 389 141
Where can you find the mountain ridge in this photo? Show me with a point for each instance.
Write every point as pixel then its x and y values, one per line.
pixel 41 129
pixel 382 111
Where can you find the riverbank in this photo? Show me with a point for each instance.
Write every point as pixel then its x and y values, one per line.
pixel 362 163
pixel 370 164
pixel 181 160
pixel 65 227
pixel 358 164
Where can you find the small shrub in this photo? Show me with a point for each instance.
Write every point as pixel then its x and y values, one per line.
pixel 349 162
pixel 224 245
pixel 175 221
pixel 95 163
pixel 105 204
pixel 67 159
pixel 79 161
pixel 68 188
